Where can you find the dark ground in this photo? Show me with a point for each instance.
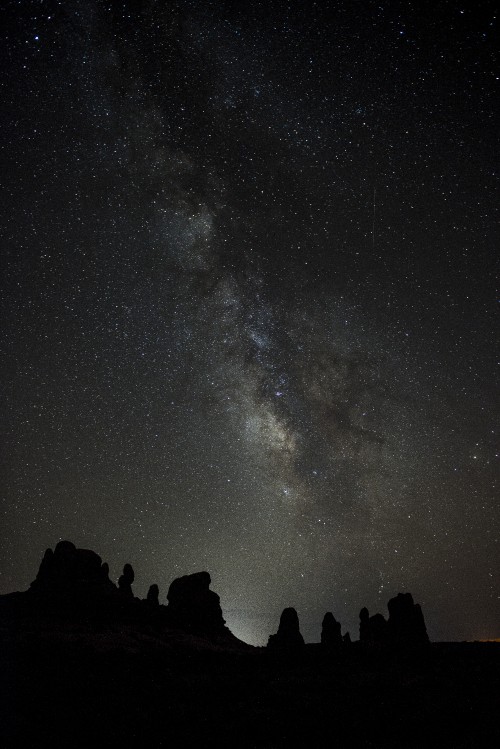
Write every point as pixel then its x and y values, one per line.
pixel 99 685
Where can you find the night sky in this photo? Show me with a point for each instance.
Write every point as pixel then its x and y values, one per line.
pixel 248 302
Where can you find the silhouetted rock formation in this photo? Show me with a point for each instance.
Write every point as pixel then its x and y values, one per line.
pixel 331 636
pixel 288 635
pixel 378 631
pixel 112 671
pixel 125 581
pixel 71 573
pixel 346 639
pixel 192 606
pixel 406 621
pixel 364 627
pixel 75 583
pixel 373 630
pixel 153 594
pixel 405 626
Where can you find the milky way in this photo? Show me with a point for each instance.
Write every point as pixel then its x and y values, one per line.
pixel 247 303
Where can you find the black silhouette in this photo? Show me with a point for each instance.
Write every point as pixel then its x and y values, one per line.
pixel 288 636
pixel 68 573
pixel 194 607
pixel 405 627
pixel 85 664
pixel 153 595
pixel 125 581
pixel 406 621
pixel 331 636
pixel 372 629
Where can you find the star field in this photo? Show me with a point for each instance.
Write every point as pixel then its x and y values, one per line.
pixel 248 302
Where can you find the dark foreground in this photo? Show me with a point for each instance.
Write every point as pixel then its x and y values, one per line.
pixel 73 685
pixel 86 664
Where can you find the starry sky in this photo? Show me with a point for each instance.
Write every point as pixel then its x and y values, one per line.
pixel 248 298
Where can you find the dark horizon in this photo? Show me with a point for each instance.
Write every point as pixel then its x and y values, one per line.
pixel 237 622
pixel 73 587
pixel 78 650
pixel 248 302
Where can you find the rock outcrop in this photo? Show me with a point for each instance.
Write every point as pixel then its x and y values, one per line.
pixel 153 595
pixel 68 573
pixel 405 625
pixel 73 585
pixel 193 607
pixel 125 581
pixel 288 636
pixel 406 621
pixel 331 636
pixel 75 582
pixel 373 630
